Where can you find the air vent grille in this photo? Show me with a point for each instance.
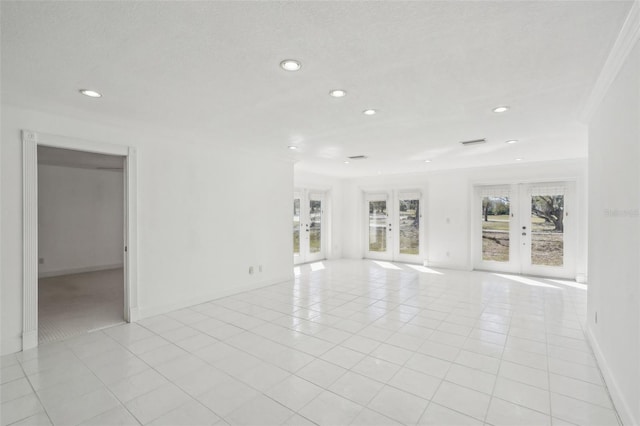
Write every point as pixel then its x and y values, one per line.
pixel 473 142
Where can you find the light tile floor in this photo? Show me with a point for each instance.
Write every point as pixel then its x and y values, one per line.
pixel 351 342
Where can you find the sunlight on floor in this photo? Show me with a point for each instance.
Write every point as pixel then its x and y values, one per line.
pixel 527 281
pixel 318 266
pixel 570 284
pixel 386 265
pixel 423 269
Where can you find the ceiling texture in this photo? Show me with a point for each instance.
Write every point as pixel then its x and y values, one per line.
pixel 433 70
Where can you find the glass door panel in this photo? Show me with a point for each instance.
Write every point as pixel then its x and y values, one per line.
pixel 525 228
pixel 378 226
pixel 315 226
pixel 308 226
pixel 496 215
pixel 409 226
pixel 547 230
pixel 296 226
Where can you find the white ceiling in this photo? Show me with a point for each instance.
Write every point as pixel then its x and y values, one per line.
pixel 434 70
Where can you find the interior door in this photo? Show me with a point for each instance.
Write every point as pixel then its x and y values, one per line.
pixel 308 226
pixel 526 228
pixel 379 228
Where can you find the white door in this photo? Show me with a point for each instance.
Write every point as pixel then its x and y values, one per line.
pixel 378 226
pixel 526 228
pixel 407 238
pixel 393 226
pixel 308 226
pixel 547 232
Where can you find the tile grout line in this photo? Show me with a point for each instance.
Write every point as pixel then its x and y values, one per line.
pixel 35 394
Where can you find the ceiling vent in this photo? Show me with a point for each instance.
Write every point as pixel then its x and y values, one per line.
pixel 357 157
pixel 473 142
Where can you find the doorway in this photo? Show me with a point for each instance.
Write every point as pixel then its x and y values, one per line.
pixel 31 141
pixel 393 226
pixel 80 242
pixel 526 229
pixel 309 226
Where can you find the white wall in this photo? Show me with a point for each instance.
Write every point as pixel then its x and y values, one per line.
pixel 205 214
pixel 448 197
pixel 80 219
pixel 614 237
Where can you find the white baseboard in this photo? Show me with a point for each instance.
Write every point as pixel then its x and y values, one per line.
pixel 447 265
pixel 134 314
pixel 150 311
pixel 60 272
pixel 29 340
pixel 10 345
pixel 623 408
pixel 581 278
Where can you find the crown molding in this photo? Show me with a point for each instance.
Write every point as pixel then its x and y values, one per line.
pixel 626 41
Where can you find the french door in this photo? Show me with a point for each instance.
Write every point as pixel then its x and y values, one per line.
pixel 308 226
pixel 393 226
pixel 526 228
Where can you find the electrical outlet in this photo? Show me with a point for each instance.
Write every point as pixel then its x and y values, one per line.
pixel 448 254
pixel 41 261
pixel 250 270
pixel 259 268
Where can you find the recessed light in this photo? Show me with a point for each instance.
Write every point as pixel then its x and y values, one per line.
pixel 501 109
pixel 346 162
pixel 338 93
pixel 292 147
pixel 518 159
pixel 91 93
pixel 290 65
pixel 369 112
pixel 427 161
pixel 512 141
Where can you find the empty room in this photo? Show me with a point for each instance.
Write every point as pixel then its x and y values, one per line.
pixel 320 213
pixel 80 242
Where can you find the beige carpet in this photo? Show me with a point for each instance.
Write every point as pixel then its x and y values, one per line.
pixel 70 305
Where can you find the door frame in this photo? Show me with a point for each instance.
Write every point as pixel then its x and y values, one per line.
pixel 570 229
pixel 396 255
pixel 519 212
pixel 299 194
pixel 30 142
pixel 322 254
pixel 382 195
pixel 393 197
pixel 306 195
pixel 513 265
